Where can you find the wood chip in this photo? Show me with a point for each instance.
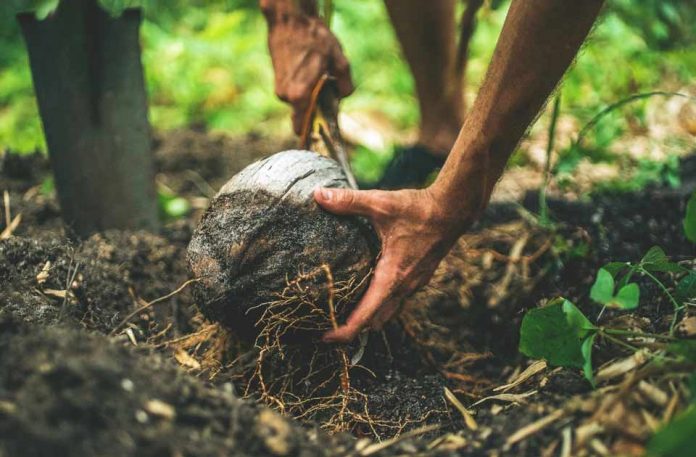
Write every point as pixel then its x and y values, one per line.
pixel 535 427
pixel 448 442
pixel 466 414
pixel 131 336
pixel 510 398
pixel 587 431
pixel 600 448
pixel 654 394
pixel 9 230
pixel 160 409
pixel 567 444
pixel 623 366
pixel 186 360
pixel 55 293
pixel 531 370
pixel 650 420
pixel 377 447
pixel 42 277
pixel 671 408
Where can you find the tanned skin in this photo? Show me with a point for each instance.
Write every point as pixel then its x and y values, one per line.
pixel 427 33
pixel 303 49
pixel 417 228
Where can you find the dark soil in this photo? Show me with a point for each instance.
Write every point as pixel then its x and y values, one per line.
pixel 81 374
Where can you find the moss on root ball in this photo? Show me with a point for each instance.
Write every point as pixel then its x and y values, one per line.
pixel 263 231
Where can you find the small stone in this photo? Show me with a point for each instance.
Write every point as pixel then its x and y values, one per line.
pixel 160 409
pixel 127 385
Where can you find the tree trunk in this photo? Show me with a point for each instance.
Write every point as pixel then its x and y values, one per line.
pixel 90 89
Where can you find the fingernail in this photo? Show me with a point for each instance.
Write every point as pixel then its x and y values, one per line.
pixel 326 194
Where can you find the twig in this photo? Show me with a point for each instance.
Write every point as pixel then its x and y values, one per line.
pixel 149 304
pixel 468 418
pixel 377 447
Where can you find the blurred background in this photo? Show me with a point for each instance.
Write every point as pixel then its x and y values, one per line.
pixel 207 67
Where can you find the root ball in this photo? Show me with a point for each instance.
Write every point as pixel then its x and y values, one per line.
pixel 264 229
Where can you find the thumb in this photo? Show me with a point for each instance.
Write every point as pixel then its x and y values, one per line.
pixel 344 201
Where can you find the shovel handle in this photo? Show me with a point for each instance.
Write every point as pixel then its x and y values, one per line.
pixel 324 103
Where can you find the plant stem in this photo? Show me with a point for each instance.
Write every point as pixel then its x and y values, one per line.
pixel 543 206
pixel 677 306
pixel 617 331
pixel 618 341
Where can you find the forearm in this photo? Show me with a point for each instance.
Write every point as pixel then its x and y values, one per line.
pixel 538 42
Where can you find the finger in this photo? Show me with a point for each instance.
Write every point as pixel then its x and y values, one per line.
pixel 377 294
pixel 345 201
pixel 341 71
pixel 385 313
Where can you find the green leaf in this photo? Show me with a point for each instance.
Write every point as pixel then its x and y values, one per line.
pixel 555 332
pixel 603 288
pixel 656 260
pixel 677 438
pixel 45 7
pixel 586 351
pixel 690 219
pixel 686 288
pixel 176 207
pixel 614 268
pixel 684 348
pixel 654 255
pixel 576 319
pixel 627 298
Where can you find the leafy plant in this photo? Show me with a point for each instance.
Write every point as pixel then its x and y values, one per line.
pixel 613 289
pixel 562 335
pixel 603 292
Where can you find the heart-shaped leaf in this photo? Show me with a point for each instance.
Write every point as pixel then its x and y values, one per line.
pixel 556 333
pixel 656 260
pixel 627 298
pixel 603 288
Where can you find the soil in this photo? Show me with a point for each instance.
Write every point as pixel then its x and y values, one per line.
pixel 92 362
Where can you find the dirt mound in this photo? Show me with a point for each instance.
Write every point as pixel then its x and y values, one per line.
pixel 95 283
pixel 65 392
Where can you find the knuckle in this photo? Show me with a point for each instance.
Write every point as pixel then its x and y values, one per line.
pixel 296 93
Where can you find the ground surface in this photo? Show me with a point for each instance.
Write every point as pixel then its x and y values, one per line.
pixel 93 363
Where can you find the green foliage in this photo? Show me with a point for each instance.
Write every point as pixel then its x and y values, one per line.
pixel 602 292
pixel 206 63
pixel 686 287
pixel 663 24
pixel 655 260
pixel 172 206
pixel 690 219
pixel 368 165
pixel 561 334
pixel 676 439
pixel 684 348
pixel 557 333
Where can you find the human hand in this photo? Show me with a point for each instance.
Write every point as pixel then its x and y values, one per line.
pixel 302 50
pixel 416 232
